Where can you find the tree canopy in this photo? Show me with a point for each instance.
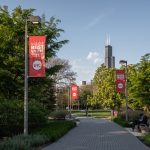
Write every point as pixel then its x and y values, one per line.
pixel 104 93
pixel 12 37
pixel 138 86
pixel 139 83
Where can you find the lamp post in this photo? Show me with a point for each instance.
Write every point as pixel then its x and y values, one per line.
pixel 34 20
pixel 126 87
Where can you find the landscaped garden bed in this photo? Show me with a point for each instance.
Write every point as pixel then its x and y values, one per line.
pixel 51 132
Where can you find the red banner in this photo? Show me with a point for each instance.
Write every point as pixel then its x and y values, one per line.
pixel 120 81
pixel 74 92
pixel 120 75
pixel 37 56
pixel 120 86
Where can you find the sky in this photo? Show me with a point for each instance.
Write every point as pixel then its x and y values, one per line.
pixel 88 22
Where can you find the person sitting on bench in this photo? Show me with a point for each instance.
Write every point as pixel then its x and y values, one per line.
pixel 141 120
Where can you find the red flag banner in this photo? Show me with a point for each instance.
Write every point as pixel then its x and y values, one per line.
pixel 120 86
pixel 120 81
pixel 74 92
pixel 37 56
pixel 120 74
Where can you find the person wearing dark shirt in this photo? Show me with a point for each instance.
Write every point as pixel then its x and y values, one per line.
pixel 141 120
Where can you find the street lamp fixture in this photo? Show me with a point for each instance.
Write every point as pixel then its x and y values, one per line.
pixel 123 62
pixel 126 87
pixel 34 20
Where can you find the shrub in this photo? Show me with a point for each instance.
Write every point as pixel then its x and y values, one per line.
pixel 12 117
pixel 122 122
pixel 132 114
pixel 58 115
pixel 37 115
pixel 147 139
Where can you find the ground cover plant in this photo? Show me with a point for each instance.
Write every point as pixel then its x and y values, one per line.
pixel 52 131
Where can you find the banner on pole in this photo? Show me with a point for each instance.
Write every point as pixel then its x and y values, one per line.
pixel 37 56
pixel 120 74
pixel 120 86
pixel 74 92
pixel 120 81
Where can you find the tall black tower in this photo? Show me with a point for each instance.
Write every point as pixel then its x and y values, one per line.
pixel 109 59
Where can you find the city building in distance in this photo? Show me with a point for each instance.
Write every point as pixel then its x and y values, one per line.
pixel 109 59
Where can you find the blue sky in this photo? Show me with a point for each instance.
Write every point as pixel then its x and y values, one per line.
pixel 86 24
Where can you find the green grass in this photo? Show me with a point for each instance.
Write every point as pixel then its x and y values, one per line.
pixel 146 139
pixel 93 113
pixel 100 114
pixel 55 129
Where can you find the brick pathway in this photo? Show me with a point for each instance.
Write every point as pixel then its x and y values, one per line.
pixel 97 134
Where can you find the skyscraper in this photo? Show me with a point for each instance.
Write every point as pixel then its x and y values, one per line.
pixel 109 59
pixel 113 62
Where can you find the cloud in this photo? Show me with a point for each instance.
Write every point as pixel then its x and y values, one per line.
pixel 98 18
pixel 85 70
pixel 95 21
pixel 94 57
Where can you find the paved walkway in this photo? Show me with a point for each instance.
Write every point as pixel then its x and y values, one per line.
pixel 97 134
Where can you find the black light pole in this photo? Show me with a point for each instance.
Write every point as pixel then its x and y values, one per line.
pixel 34 20
pixel 126 87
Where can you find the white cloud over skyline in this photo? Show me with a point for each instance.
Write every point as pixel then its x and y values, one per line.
pixel 85 70
pixel 94 57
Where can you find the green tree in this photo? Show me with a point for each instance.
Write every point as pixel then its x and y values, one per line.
pixel 12 31
pixel 105 93
pixel 133 101
pixel 139 78
pixel 41 90
pixel 85 92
